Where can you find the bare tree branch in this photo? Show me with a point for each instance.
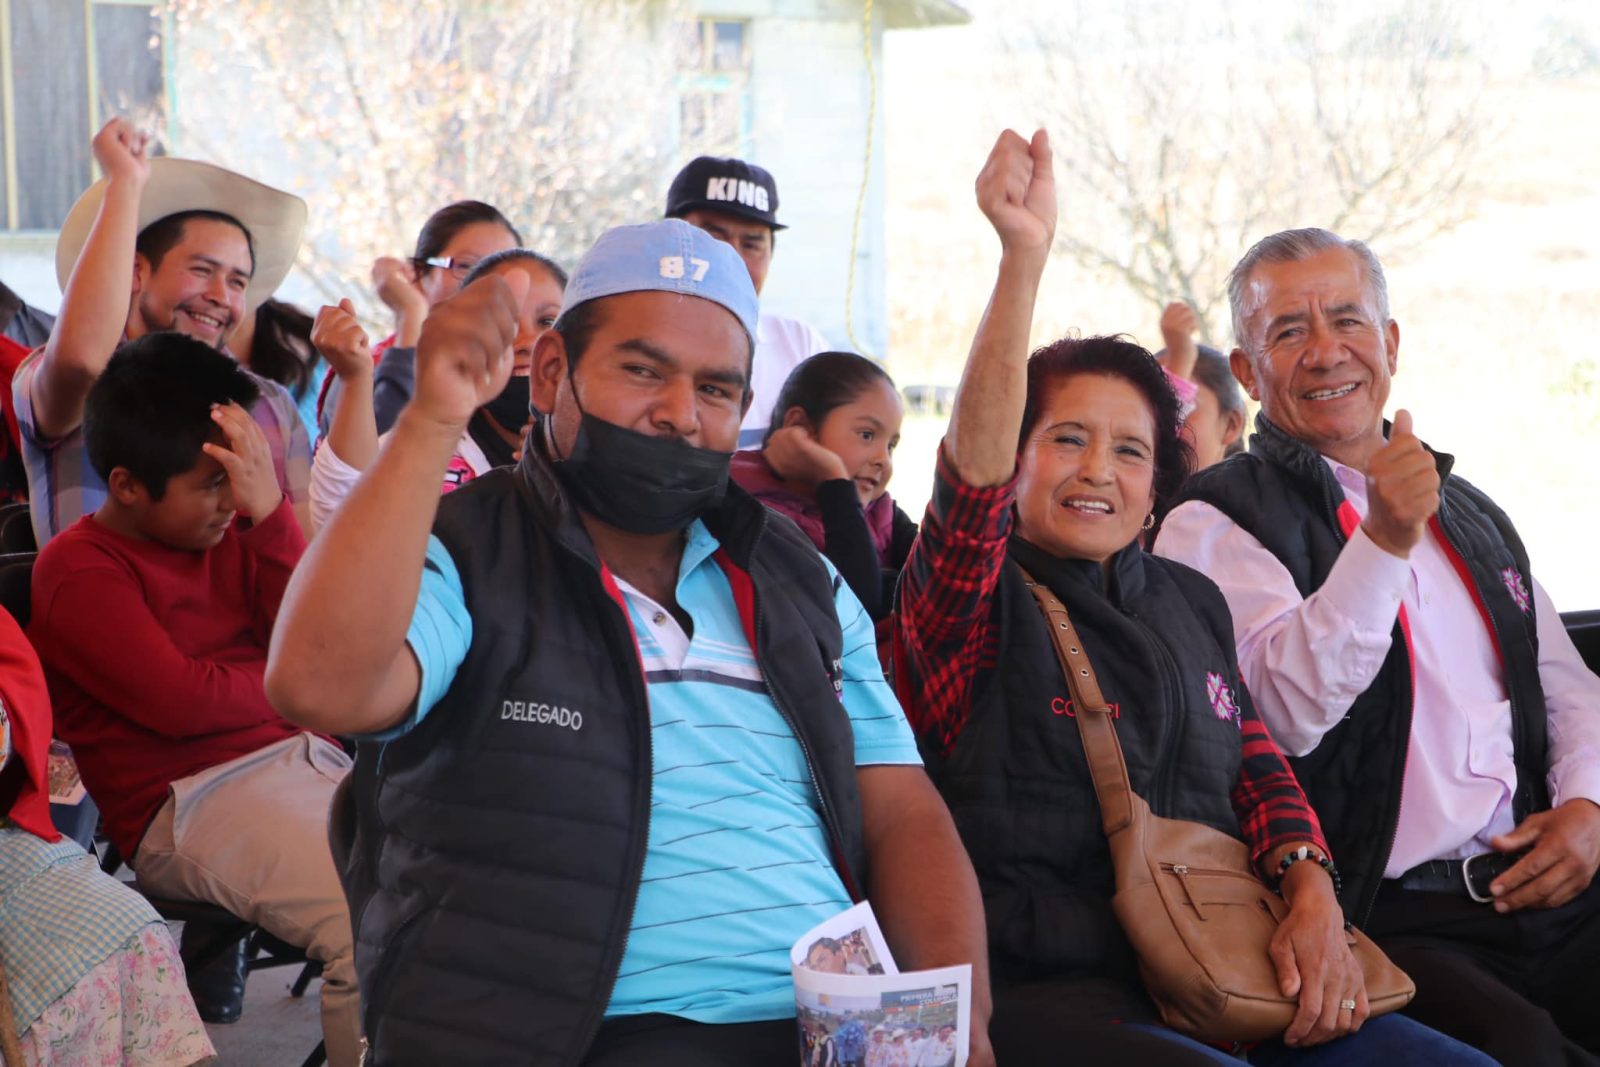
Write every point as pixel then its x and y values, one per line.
pixel 1367 127
pixel 379 112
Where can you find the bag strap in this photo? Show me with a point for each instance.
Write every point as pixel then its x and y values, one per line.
pixel 1107 767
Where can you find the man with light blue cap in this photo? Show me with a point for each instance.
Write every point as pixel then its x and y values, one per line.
pixel 624 737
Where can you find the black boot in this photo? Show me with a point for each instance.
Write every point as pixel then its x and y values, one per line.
pixel 217 984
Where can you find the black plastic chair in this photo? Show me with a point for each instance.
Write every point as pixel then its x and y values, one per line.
pixel 16 586
pixel 210 931
pixel 16 529
pixel 1584 629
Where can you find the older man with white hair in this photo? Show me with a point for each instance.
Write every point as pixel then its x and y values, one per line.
pixel 1397 645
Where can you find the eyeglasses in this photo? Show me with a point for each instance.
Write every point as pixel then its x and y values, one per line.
pixel 458 267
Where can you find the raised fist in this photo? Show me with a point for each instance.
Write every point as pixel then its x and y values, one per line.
pixel 1402 490
pixel 465 356
pixel 122 151
pixel 341 340
pixel 396 283
pixel 1178 323
pixel 1017 192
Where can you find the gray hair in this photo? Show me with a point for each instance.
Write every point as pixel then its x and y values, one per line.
pixel 1291 246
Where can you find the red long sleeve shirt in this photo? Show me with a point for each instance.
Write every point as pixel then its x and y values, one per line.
pixel 155 656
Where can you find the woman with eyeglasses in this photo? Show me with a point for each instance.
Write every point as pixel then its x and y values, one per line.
pixel 495 433
pixel 453 241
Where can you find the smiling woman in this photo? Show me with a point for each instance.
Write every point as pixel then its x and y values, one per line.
pixel 1099 445
pixel 1097 452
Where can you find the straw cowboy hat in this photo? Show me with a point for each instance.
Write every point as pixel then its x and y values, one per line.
pixel 274 219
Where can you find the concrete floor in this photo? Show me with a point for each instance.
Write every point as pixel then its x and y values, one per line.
pixel 276 1029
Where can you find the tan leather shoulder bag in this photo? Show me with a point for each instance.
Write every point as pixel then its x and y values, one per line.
pixel 1198 917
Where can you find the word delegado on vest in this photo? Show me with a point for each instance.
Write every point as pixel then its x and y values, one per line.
pixel 543 714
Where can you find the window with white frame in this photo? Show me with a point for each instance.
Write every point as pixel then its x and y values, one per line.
pixel 714 85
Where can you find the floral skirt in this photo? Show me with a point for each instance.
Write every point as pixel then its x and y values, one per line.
pixel 134 1008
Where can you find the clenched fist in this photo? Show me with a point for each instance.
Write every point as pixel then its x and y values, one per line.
pixel 396 283
pixel 123 152
pixel 465 355
pixel 1178 323
pixel 338 335
pixel 1402 491
pixel 1017 192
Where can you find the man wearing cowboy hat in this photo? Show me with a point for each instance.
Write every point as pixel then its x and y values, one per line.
pixel 191 247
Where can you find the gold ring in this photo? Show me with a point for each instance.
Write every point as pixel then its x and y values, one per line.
pixel 1347 1005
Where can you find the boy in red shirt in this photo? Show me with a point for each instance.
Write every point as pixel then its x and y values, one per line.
pixel 152 617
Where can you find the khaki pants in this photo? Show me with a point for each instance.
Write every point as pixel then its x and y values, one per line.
pixel 251 836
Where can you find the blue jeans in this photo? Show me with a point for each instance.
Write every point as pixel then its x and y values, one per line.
pixel 1391 1040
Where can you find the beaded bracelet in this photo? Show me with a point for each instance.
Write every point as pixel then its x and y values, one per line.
pixel 1306 852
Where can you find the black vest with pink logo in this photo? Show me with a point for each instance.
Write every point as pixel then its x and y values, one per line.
pixel 1017 781
pixel 1284 495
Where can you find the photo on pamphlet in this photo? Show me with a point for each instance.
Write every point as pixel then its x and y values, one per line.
pixel 855 1008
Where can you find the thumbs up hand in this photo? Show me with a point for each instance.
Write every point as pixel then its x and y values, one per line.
pixel 1402 491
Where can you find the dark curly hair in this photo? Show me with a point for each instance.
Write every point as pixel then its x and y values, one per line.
pixel 1115 357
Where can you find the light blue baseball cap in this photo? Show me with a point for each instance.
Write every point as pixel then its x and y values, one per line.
pixel 668 256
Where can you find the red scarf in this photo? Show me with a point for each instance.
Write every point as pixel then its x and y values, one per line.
pixel 27 707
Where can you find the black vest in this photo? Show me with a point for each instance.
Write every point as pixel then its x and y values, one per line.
pixel 1017 781
pixel 498 846
pixel 1283 494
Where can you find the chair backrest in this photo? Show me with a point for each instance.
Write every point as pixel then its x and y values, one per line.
pixel 16 586
pixel 1584 629
pixel 16 530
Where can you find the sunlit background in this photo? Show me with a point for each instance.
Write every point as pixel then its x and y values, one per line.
pixel 1459 139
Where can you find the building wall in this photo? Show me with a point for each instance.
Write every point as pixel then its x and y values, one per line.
pixel 810 98
pixel 28 266
pixel 809 102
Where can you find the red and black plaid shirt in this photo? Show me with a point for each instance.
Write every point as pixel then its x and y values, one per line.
pixel 946 641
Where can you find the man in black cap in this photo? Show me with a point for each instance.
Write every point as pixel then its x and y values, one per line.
pixel 737 202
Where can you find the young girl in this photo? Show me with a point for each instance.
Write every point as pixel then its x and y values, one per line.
pixel 826 464
pixel 495 432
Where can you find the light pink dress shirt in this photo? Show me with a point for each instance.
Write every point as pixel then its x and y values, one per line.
pixel 1306 660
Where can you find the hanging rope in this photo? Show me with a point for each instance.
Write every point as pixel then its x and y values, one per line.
pixel 866 178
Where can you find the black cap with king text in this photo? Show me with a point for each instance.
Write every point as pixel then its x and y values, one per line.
pixel 729 185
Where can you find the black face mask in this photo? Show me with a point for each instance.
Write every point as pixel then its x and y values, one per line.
pixel 510 407
pixel 638 482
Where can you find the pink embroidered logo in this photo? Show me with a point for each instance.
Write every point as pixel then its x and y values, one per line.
pixel 1517 588
pixel 1221 697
